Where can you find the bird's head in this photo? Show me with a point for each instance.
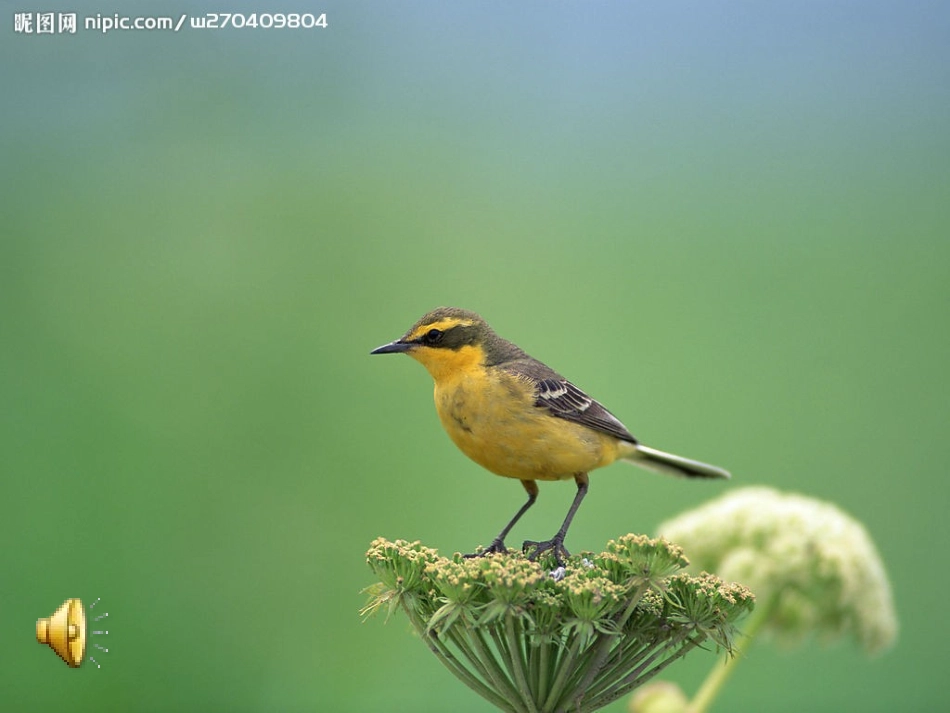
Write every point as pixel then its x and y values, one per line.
pixel 447 340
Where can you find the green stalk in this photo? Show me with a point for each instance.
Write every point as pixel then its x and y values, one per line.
pixel 643 676
pixel 505 654
pixel 449 660
pixel 631 654
pixel 516 659
pixel 720 673
pixel 664 647
pixel 495 672
pixel 565 666
pixel 605 644
pixel 533 653
pixel 544 669
pixel 614 676
pixel 462 644
pixel 684 648
pixel 606 685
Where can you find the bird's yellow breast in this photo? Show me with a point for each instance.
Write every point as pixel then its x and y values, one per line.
pixel 491 416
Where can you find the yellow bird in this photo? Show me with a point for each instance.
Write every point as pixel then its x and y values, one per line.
pixel 521 419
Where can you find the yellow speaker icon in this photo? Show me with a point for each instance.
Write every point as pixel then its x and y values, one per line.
pixel 65 632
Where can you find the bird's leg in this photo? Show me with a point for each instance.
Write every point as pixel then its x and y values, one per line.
pixel 556 544
pixel 498 544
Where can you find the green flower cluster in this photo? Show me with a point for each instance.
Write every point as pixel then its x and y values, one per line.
pixel 530 642
pixel 813 567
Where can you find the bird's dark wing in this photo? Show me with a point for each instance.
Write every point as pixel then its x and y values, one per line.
pixel 564 400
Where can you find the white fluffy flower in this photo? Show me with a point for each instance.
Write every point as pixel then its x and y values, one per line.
pixel 812 564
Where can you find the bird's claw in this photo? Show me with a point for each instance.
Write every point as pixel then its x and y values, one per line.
pixel 496 547
pixel 555 546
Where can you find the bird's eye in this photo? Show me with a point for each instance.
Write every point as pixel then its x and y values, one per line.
pixel 433 336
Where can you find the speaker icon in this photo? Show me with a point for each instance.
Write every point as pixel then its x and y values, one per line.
pixel 65 632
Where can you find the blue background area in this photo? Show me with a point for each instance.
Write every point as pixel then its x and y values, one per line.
pixel 727 221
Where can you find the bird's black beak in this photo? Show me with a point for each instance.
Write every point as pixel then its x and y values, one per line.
pixel 396 347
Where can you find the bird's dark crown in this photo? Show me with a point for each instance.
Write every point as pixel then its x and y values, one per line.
pixel 454 328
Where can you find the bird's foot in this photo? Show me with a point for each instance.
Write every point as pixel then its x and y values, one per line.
pixel 555 546
pixel 497 546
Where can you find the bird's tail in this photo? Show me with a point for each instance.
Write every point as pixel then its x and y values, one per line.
pixel 662 462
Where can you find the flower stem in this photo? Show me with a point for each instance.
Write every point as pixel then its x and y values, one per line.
pixel 565 667
pixel 720 673
pixel 544 671
pixel 644 673
pixel 515 660
pixel 448 659
pixel 495 672
pixel 605 644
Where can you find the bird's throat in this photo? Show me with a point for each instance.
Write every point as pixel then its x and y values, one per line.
pixel 448 365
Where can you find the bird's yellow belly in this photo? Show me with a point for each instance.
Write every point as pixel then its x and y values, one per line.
pixel 497 425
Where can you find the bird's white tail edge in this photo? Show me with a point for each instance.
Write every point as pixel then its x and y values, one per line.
pixel 662 462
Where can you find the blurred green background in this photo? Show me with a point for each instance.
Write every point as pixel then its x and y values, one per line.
pixel 728 221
